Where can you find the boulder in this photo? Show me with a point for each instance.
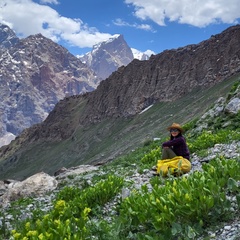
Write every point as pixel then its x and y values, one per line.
pixel 233 106
pixel 36 185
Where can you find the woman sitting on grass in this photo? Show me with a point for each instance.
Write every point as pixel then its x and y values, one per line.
pixel 177 145
pixel 175 153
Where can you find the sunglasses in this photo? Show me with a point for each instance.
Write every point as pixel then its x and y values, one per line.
pixel 174 130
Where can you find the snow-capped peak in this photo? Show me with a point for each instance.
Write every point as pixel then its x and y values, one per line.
pixel 98 45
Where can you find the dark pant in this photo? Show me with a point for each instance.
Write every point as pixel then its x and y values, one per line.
pixel 168 153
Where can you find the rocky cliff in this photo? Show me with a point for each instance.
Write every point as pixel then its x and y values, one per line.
pixel 35 74
pixel 165 77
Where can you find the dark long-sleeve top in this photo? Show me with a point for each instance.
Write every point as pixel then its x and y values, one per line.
pixel 179 146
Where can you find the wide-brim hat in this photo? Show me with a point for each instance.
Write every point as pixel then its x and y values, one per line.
pixel 177 126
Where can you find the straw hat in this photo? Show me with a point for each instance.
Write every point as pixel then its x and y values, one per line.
pixel 177 126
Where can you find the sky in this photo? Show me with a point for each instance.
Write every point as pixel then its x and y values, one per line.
pixel 150 26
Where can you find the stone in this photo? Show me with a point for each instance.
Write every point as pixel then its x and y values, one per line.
pixel 76 170
pixel 36 185
pixel 233 106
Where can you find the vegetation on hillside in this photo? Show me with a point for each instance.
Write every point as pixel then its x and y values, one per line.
pixel 176 207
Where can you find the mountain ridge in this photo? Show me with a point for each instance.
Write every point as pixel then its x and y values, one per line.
pixel 7 36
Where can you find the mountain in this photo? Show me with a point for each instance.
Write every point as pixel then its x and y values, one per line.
pixel 111 189
pixel 134 104
pixel 107 56
pixel 35 74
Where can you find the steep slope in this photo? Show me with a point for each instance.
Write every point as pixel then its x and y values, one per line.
pixel 98 126
pixel 35 74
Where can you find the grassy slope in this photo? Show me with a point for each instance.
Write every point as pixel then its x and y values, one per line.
pixel 111 138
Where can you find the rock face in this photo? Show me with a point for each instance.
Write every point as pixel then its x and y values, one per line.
pixel 7 37
pixel 233 106
pixel 165 77
pixel 35 74
pixel 108 56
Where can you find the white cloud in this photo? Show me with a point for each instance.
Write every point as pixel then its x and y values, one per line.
pixel 193 12
pixel 26 18
pixel 50 1
pixel 120 22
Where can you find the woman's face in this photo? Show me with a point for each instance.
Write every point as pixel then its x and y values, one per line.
pixel 174 132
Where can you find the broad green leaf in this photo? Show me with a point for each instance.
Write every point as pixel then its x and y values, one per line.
pixel 176 228
pixel 232 185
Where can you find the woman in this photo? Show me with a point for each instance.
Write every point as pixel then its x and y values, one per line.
pixel 175 154
pixel 176 146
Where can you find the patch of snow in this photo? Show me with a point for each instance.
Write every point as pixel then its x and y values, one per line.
pixel 80 56
pixel 111 39
pixel 16 62
pixel 141 55
pixel 144 110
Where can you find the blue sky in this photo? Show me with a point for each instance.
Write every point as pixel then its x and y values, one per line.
pixel 147 25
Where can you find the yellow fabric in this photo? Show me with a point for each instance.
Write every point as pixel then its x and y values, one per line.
pixel 177 164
